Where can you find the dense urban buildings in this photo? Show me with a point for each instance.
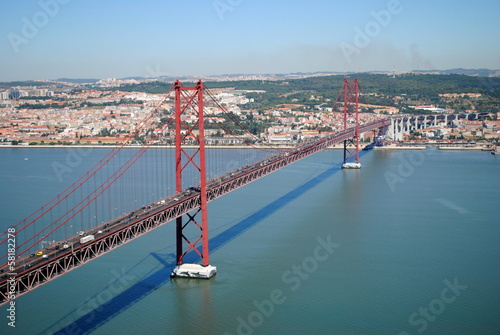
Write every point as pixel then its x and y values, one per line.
pixel 72 113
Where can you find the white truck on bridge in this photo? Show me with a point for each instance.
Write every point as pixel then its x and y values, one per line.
pixel 87 238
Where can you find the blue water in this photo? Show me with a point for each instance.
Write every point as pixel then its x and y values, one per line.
pixel 406 245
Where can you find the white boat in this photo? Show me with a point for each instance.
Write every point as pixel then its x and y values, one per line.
pixel 194 271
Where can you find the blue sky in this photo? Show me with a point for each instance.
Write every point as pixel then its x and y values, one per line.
pixel 48 39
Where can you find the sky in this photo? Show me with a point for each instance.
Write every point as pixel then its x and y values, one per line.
pixel 50 39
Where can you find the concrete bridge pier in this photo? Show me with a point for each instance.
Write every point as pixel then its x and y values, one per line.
pixel 399 131
pixel 408 124
pixel 389 130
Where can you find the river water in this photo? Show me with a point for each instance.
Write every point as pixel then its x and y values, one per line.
pixel 409 244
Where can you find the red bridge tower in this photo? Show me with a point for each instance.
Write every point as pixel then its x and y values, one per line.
pixel 189 100
pixel 351 114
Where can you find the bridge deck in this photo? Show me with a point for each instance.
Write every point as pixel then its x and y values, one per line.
pixel 33 271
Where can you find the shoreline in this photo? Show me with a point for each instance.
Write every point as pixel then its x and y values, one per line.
pixel 401 147
pixel 61 146
pixel 464 148
pixel 335 147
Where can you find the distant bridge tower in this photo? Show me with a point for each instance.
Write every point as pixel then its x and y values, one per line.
pixel 351 115
pixel 189 100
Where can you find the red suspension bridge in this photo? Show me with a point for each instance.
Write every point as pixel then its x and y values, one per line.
pixel 134 190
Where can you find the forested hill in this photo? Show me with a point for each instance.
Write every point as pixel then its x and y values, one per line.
pixel 424 85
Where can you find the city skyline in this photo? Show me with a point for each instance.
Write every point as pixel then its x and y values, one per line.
pixel 49 39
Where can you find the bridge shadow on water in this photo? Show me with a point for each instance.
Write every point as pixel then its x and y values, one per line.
pixel 115 298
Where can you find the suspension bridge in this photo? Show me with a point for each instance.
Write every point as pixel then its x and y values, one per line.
pixel 131 191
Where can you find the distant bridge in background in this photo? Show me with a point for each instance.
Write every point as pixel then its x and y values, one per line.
pixel 405 124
